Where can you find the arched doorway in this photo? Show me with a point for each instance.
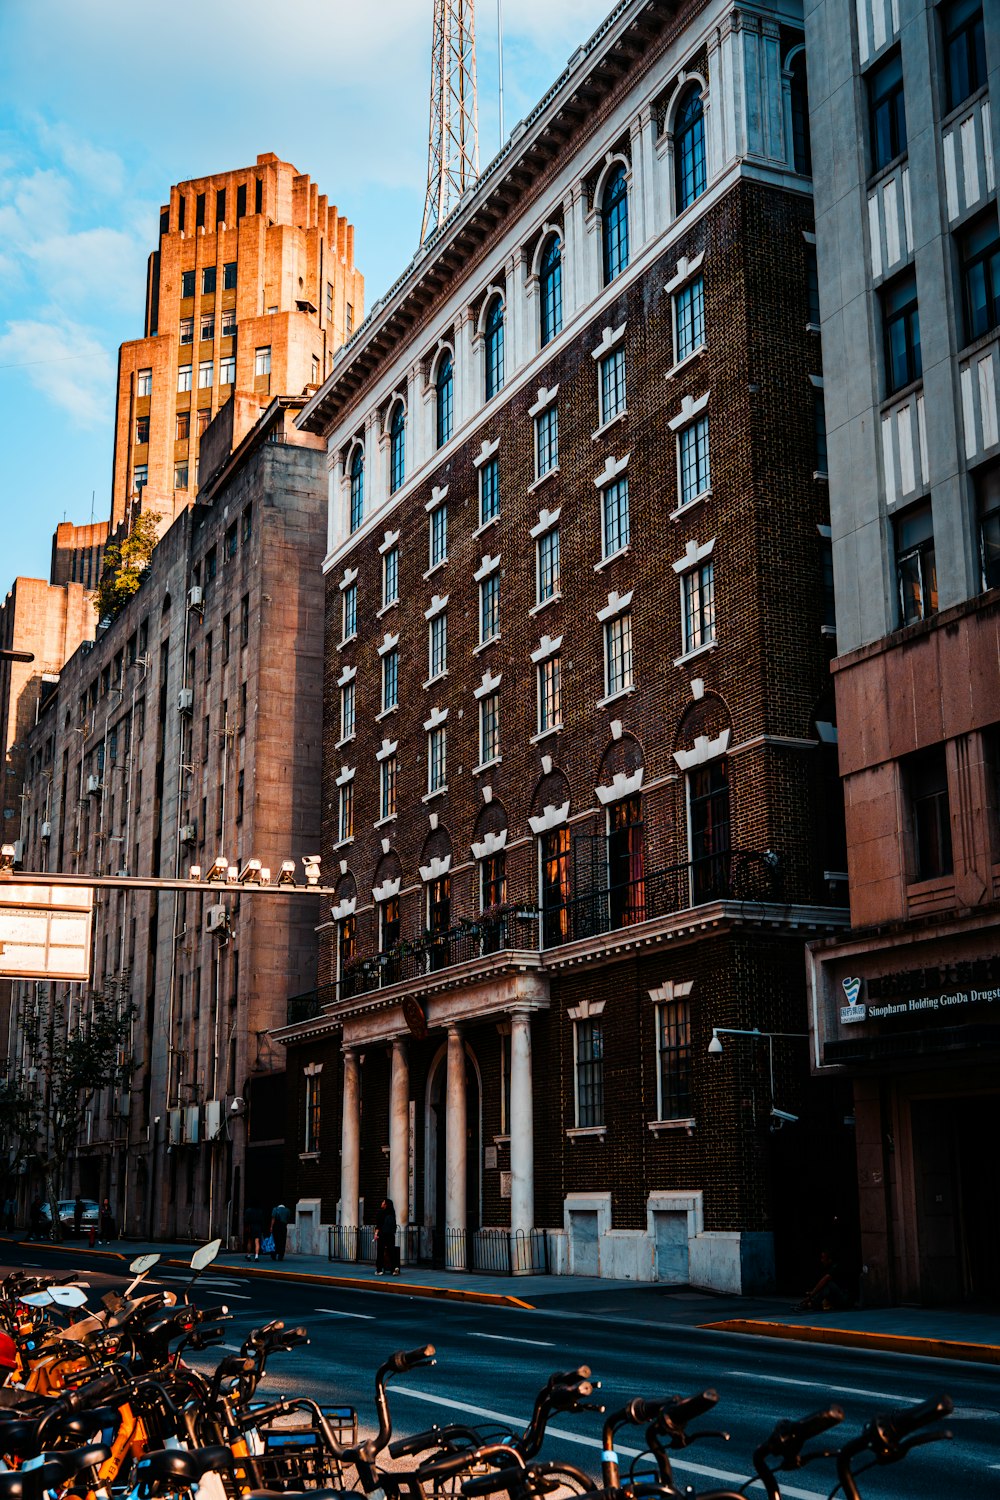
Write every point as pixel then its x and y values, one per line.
pixel 433 1241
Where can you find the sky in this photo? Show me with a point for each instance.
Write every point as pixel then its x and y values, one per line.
pixel 104 104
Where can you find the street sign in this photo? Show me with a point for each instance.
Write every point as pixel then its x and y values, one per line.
pixel 45 931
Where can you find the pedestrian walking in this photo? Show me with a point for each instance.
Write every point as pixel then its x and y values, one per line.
pixel 107 1229
pixel 385 1240
pixel 253 1230
pixel 280 1216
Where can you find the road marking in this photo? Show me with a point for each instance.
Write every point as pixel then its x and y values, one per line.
pixel 519 1423
pixel 336 1312
pixel 821 1385
pixel 503 1338
pixel 233 1348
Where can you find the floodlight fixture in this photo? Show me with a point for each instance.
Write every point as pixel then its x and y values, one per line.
pixel 194 873
pixel 217 869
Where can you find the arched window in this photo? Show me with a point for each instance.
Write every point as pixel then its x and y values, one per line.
pixel 689 148
pixel 357 488
pixel 550 288
pixel 445 399
pixel 397 448
pixel 614 224
pixel 494 347
pixel 799 89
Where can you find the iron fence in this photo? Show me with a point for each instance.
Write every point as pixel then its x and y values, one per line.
pixel 496 1251
pixel 456 945
pixel 352 1242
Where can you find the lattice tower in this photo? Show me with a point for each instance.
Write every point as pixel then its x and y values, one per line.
pixel 453 139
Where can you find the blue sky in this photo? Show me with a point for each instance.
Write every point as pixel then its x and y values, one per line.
pixel 105 104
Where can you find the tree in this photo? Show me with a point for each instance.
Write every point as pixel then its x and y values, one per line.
pixel 69 1058
pixel 126 564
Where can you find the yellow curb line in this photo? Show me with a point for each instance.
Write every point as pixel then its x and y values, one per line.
pixel 893 1343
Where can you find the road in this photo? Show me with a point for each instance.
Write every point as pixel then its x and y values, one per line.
pixel 492 1360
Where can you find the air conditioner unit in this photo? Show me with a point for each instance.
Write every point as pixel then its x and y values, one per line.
pixel 174 1135
pixel 196 597
pixel 188 833
pixel 215 919
pixel 213 1120
pixel 46 830
pixel 192 1123
pixel 185 700
pixel 93 785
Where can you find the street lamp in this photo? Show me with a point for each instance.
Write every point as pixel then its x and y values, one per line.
pixel 779 1117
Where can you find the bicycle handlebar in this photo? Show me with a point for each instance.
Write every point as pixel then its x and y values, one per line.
pixel 405 1360
pixel 789 1438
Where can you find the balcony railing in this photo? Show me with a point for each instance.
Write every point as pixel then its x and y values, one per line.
pixel 463 943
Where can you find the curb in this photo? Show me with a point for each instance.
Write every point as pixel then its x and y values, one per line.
pixel 890 1343
pixel 353 1283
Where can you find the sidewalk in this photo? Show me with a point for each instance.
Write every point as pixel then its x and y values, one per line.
pixel 942 1333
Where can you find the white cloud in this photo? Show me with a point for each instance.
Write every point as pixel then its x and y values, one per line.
pixel 101 170
pixel 65 363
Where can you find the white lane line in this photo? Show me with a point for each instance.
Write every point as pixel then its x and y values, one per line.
pixel 336 1312
pixel 233 1348
pixel 821 1385
pixel 503 1338
pixel 517 1424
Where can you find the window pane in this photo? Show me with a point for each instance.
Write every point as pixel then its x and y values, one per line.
pixel 489 491
pixel 548 565
pixel 494 348
pixel 546 441
pixel 612 385
pixel 675 1060
pixel 445 399
pixel 698 586
pixel 695 470
pixel 690 304
pixel 614 225
pixel 616 517
pixel 589 1073
pixel 489 608
pixel 690 175
pixel 550 286
pixel 397 449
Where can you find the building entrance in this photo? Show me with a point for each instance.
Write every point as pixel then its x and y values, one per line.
pixel 956 1169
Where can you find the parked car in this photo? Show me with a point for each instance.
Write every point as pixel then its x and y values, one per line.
pixel 67 1206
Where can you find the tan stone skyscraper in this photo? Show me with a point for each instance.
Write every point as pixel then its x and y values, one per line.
pixel 249 293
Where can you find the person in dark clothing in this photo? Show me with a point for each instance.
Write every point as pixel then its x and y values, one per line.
pixel 36 1218
pixel 280 1216
pixel 385 1240
pixel 78 1216
pixel 107 1232
pixel 253 1230
pixel 828 1295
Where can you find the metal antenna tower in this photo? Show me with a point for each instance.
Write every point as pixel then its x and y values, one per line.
pixel 453 141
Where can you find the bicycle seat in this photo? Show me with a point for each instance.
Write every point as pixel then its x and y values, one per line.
pixel 27 1484
pixel 186 1464
pixel 18 1435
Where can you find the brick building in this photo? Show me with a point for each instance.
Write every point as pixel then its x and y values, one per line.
pixel 250 290
pixel 192 726
pixel 905 1004
pixel 579 773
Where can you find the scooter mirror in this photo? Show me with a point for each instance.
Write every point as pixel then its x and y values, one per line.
pixel 36 1299
pixel 144 1263
pixel 68 1296
pixel 205 1254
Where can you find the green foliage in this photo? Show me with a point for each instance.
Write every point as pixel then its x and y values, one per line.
pixel 125 566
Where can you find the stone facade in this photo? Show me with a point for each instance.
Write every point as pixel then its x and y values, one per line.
pixel 553 888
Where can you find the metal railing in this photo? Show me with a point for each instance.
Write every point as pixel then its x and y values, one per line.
pixel 356 1243
pixel 496 1251
pixel 460 944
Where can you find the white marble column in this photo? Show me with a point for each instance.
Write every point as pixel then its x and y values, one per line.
pixel 455 1132
pixel 521 1125
pixel 350 1142
pixel 399 1132
pixel 335 505
pixel 465 369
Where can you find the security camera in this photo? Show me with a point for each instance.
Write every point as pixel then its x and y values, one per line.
pixel 238 1106
pixel 783 1116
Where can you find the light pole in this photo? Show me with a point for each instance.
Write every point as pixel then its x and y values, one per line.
pixel 779 1117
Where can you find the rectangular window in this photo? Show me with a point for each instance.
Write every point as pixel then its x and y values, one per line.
pixel 916 568
pixel 673 1035
pixel 350 611
pixel 554 854
pixel 926 780
pixel 489 608
pixel 241 200
pixel 187 277
pixel 181 476
pixel 439 535
pixel 186 331
pixel 246 526
pixel 689 311
pixel 349 320
pixel 144 383
pixel 489 728
pixel 812 287
pixel 819 433
pixel 988 511
pixel 229 275
pixel 547 566
pixel 230 541
pixel 901 333
pixel 549 695
pixel 184 377
pixel 245 620
pixel 182 426
pixel 140 476
pixel 329 302
pixel 204 417
pixel 199 211
pixel 220 207
pixel 225 638
pixel 312 1113
pixel 390 576
pixel 345 821
pixel 964 50
pixel 696 473
pixel 390 679
pixel 228 317
pixel 347 711
pixel 227 369
pixel 826 577
pixel 698 606
pixel 205 372
pixel 618 654
pixel 262 361
pixel 207 326
pixel 142 429
pixel 709 823
pixel 612 375
pixel 546 441
pixel 211 564
pixel 886 111
pixel 589 1040
pixel 207 280
pixel 437 645
pixel 979 251
pixel 208 660
pixel 437 759
pixel 614 505
pixel 387 787
pixel 489 491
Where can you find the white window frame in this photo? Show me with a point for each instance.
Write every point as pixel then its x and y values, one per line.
pixel 605 414
pixel 349 606
pixel 619 625
pixel 490 585
pixel 262 360
pixel 393 655
pixel 388 780
pixel 206 374
pixel 227 369
pixel 691 430
pixel 437 528
pixel 437 763
pixel 545 669
pixel 546 539
pixel 393 554
pixel 613 487
pixel 184 377
pixel 345 812
pixel 491 463
pixel 697 570
pixel 489 704
pixel 144 383
pixel 348 711
pixel 685 290
pixel 437 646
pixel 547 441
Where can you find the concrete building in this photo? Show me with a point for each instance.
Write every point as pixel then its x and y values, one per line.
pixel 578 728
pixel 905 145
pixel 250 290
pixel 192 726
